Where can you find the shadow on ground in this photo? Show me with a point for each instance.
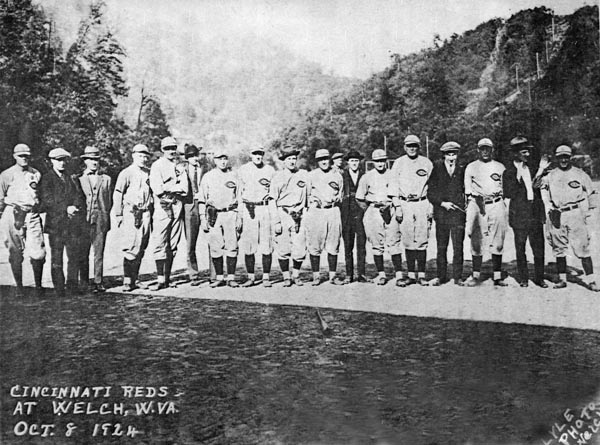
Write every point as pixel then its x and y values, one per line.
pixel 243 373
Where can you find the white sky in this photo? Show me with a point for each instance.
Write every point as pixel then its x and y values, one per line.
pixel 347 37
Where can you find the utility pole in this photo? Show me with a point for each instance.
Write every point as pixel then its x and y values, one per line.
pixel 537 62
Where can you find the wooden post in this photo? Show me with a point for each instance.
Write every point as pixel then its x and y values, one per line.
pixel 537 62
pixel 517 76
pixel 547 55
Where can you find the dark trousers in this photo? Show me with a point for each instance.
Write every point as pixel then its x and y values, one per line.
pixel 443 233
pixel 535 233
pixel 191 221
pixel 92 236
pixel 353 228
pixel 58 243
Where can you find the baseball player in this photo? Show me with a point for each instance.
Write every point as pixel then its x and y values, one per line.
pixel 447 194
pixel 254 181
pixel 287 206
pixel 97 191
pixel 169 184
pixel 526 213
pixel 220 218
pixel 132 208
pixel 381 225
pixel 569 198
pixel 325 190
pixel 409 194
pixel 20 223
pixel 486 211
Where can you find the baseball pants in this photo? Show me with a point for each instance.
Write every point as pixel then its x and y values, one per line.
pixel 290 244
pixel 223 238
pixel 488 229
pixel 416 224
pixel 323 230
pixel 134 240
pixel 380 235
pixel 573 230
pixel 27 241
pixel 256 235
pixel 166 233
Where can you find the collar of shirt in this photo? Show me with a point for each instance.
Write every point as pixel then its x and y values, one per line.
pixel 450 168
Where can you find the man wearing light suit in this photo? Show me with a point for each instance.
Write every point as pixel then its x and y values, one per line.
pixel 97 190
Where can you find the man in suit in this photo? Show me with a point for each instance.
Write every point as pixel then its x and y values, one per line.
pixel 96 188
pixel 63 202
pixel 526 210
pixel 447 194
pixel 352 220
pixel 191 219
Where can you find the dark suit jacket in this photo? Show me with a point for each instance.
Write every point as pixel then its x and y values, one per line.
pixel 350 208
pixel 56 195
pixel 521 212
pixel 202 169
pixel 98 200
pixel 446 188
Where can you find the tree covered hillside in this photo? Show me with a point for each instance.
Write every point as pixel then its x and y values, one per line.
pixel 534 74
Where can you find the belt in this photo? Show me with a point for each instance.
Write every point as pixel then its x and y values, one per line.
pixel 492 200
pixel 325 206
pixel 228 209
pixel 569 207
pixel 264 202
pixel 379 205
pixel 422 198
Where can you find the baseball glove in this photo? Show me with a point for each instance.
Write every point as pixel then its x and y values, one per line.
pixel 251 209
pixel 481 204
pixel 554 216
pixel 137 216
pixel 386 214
pixel 211 215
pixel 19 215
pixel 297 217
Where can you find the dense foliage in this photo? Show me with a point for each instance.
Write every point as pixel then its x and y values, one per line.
pixel 484 83
pixel 53 98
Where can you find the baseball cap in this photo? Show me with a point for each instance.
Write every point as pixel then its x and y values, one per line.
pixel 168 142
pixel 258 150
pixel 563 150
pixel 288 151
pixel 378 155
pixel 337 155
pixel 58 153
pixel 519 143
pixel 412 139
pixel 321 153
pixel 22 149
pixel 219 153
pixel 450 146
pixel 485 142
pixel 140 148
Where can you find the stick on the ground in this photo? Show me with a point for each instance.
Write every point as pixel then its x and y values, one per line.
pixel 324 327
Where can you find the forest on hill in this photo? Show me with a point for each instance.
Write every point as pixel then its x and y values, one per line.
pixel 535 74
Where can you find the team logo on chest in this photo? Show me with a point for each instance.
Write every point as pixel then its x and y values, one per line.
pixel 496 177
pixel 334 185
pixel 230 184
pixel 264 182
pixel 421 172
pixel 574 184
pixel 301 184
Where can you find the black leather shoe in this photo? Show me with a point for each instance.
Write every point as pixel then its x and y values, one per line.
pixel 362 279
pixel 540 283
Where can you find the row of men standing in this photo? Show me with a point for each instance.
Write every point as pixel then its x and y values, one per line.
pixel 291 212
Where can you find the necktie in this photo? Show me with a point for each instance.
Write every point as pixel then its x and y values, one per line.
pixel 195 180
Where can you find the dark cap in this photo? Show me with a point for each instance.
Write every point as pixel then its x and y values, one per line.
pixel 353 154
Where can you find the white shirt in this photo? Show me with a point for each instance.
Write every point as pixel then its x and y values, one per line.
pixel 524 175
